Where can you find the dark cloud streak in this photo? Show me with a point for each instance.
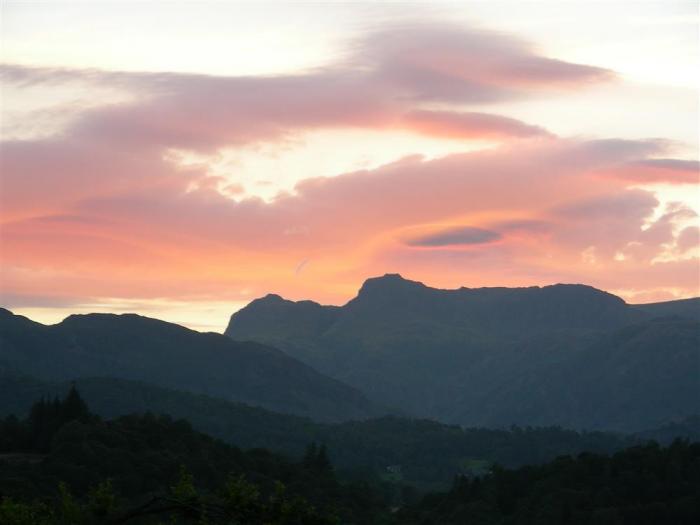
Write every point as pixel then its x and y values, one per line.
pixel 454 236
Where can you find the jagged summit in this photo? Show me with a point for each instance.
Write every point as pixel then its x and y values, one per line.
pixel 273 301
pixel 492 354
pixel 390 296
pixel 558 299
pixel 272 297
pixel 395 281
pixel 390 282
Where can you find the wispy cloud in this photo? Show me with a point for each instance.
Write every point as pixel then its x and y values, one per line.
pixel 101 210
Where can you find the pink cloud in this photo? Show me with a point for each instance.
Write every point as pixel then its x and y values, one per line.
pixel 450 63
pixel 199 241
pixel 672 171
pixel 387 74
pixel 688 239
pixel 45 175
pixel 469 125
pixel 101 200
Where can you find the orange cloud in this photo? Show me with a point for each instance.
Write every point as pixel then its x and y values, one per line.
pixel 100 211
pixel 166 241
pixel 469 125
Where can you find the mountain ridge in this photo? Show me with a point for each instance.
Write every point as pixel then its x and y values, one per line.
pixel 398 278
pixel 135 347
pixel 420 348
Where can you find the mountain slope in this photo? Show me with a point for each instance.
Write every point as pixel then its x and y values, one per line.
pixel 430 454
pixel 688 308
pixel 242 425
pixel 625 380
pixel 133 347
pixel 494 356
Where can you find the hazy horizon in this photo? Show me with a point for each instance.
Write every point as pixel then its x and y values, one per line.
pixel 220 328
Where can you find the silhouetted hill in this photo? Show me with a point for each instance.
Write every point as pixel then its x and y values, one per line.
pixel 134 347
pixel 242 425
pixel 688 308
pixel 495 356
pixel 510 311
pixel 429 454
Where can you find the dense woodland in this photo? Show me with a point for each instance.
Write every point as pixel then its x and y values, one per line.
pixel 428 454
pixel 637 486
pixel 66 465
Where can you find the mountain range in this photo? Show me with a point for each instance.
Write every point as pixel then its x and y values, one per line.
pixel 168 355
pixel 568 355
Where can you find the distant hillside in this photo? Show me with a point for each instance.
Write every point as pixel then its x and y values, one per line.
pixel 242 425
pixel 165 354
pixel 429 453
pixel 626 380
pixel 559 354
pixel 689 308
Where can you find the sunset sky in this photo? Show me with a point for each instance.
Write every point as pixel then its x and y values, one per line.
pixel 179 159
